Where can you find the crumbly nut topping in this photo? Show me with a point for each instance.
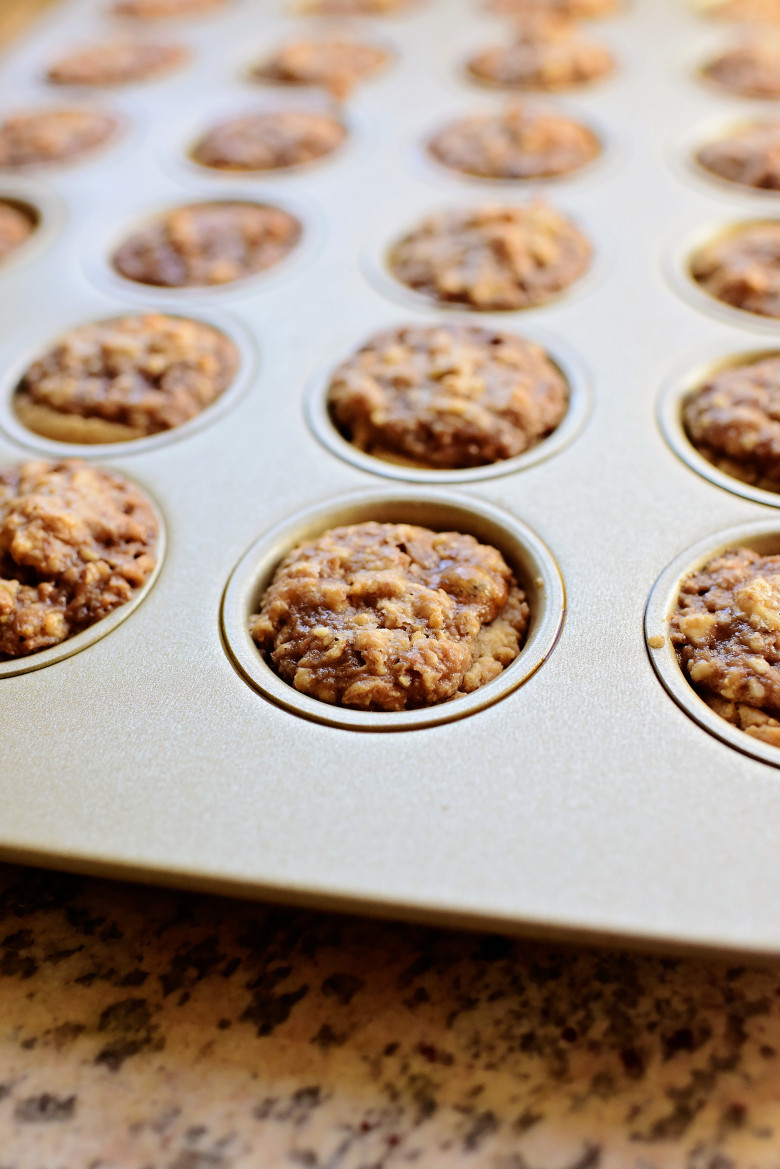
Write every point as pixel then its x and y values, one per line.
pixel 41 136
pixel 270 141
pixel 208 243
pixel 734 421
pixel 726 631
pixel 749 156
pixel 749 69
pixel 336 64
pixel 492 257
pixel 164 9
pixel 517 143
pixel 742 268
pixel 139 374
pixel 391 616
pixel 116 63
pixel 447 396
pixel 75 543
pixel 547 53
pixel 15 227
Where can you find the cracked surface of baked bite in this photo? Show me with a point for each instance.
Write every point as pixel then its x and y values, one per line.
pixel 337 64
pixel 571 9
pixel 164 9
pixel 517 143
pixel 733 419
pixel 726 631
pixel 391 616
pixel 749 156
pixel 545 53
pixel 270 141
pixel 742 268
pixel 750 68
pixel 492 257
pixel 208 243
pixel 76 542
pixel 126 378
pixel 42 136
pixel 116 63
pixel 447 396
pixel 16 226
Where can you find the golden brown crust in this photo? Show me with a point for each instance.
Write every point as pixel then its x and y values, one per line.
pixel 208 243
pixel 749 156
pixel 270 141
pixel 447 396
pixel 742 268
pixel 43 136
pixel 733 419
pixel 750 68
pixel 337 64
pixel 125 378
pixel 76 542
pixel 726 631
pixel 391 616
pixel 16 226
pixel 492 257
pixel 547 53
pixel 116 63
pixel 517 143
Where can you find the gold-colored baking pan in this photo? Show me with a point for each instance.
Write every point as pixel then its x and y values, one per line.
pixel 583 801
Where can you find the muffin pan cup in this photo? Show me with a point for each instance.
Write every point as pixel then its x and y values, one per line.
pixel 100 629
pixel 684 148
pixel 99 267
pixel 569 796
pixel 45 208
pixel 580 406
pixel 34 344
pixel 378 249
pixel 670 419
pixel 762 536
pixel 530 560
pixel 678 269
pixel 177 154
pixel 429 167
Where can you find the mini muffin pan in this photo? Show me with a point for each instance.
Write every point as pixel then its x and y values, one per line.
pixel 572 796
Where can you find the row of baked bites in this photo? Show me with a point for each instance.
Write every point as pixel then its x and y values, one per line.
pixel 391 667
pixel 725 627
pixel 422 616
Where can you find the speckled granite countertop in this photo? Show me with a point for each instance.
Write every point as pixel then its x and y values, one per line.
pixel 147 1029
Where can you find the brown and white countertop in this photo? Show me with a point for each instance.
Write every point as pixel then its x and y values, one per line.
pixel 151 1029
